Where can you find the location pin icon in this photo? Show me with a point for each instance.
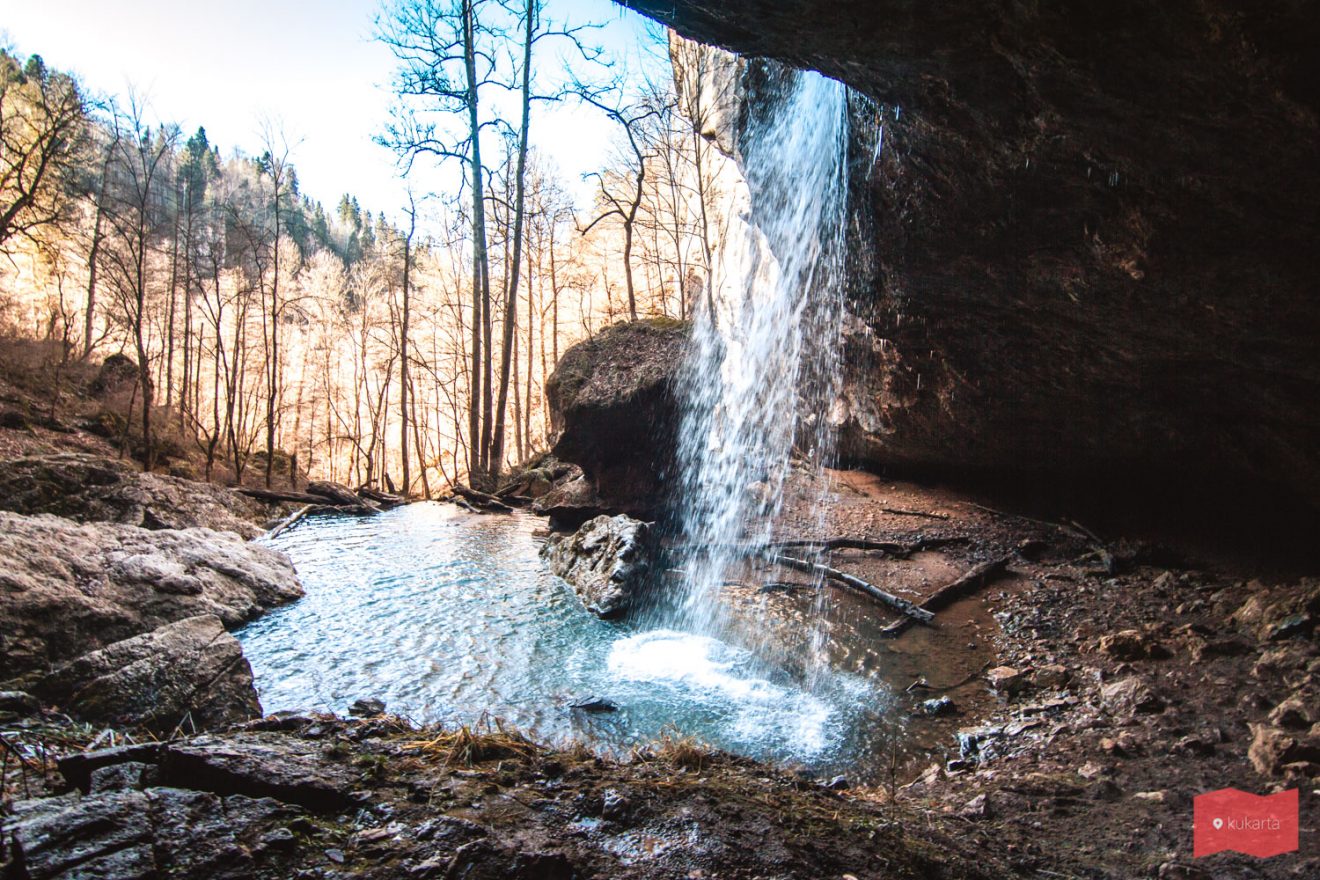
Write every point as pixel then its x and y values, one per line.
pixel 1218 823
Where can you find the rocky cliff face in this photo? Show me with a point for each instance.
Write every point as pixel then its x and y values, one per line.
pixel 1092 229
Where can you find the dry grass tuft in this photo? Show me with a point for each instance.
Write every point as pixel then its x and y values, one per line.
pixel 465 746
pixel 679 752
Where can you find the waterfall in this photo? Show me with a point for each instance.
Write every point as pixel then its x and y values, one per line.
pixel 763 367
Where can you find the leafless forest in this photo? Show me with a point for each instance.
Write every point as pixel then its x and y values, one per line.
pixel 402 346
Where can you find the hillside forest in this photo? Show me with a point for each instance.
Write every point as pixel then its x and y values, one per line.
pixel 264 337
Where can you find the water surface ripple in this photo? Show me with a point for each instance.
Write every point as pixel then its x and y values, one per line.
pixel 455 618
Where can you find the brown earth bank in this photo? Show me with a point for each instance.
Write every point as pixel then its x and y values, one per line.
pixel 1088 244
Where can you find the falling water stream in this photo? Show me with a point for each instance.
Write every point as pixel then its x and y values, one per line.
pixel 451 617
pixel 770 333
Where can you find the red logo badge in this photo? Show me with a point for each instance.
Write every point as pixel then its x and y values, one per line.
pixel 1256 825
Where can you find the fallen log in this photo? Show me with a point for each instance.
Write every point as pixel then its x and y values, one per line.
pixel 289 521
pixel 483 500
pixel 384 499
pixel 898 511
pixel 964 585
pixel 897 602
pixel 361 505
pixel 275 496
pixel 892 548
pixel 337 493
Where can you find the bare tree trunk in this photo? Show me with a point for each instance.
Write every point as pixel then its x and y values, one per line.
pixel 519 211
pixel 480 265
pixel 404 385
pixel 277 171
pixel 93 256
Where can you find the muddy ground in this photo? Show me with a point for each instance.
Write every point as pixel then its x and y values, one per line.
pixel 1111 682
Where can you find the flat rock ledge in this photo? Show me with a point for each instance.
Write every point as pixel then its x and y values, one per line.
pixel 68 588
pixel 89 488
pixel 206 807
pixel 607 560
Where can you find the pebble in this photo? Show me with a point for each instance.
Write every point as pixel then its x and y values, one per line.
pixel 939 706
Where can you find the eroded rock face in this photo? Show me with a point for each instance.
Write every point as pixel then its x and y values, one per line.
pixel 87 488
pixel 607 561
pixel 67 588
pixel 1088 243
pixel 127 833
pixel 189 671
pixel 613 409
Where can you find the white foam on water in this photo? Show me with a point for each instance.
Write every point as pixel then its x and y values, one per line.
pixel 702 670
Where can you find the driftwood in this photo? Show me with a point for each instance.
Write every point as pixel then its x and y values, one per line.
pixel 384 499
pixel 1072 527
pixel 289 521
pixel 483 500
pixel 891 548
pixel 339 501
pixel 897 511
pixel 964 585
pixel 337 493
pixel 271 495
pixel 897 602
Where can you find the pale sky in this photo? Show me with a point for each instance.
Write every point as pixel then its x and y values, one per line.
pixel 314 67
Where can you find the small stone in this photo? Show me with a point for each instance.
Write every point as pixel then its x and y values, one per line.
pixel 1154 797
pixel 279 839
pixel 1193 745
pixel 1090 770
pixel 1230 647
pixel 978 743
pixel 614 806
pixel 1130 695
pixel 1131 644
pixel 838 783
pixel 1293 713
pixel 335 855
pixel 435 866
pixel 1006 679
pixel 938 707
pixel 1292 626
pixel 1104 790
pixel 595 705
pixel 1122 746
pixel 977 808
pixel 1273 748
pixel 367 708
pixel 1053 676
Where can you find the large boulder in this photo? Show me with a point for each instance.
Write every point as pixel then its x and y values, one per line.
pixel 571 503
pixel 89 488
pixel 614 412
pixel 1087 243
pixel 191 672
pixel 66 588
pixel 608 562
